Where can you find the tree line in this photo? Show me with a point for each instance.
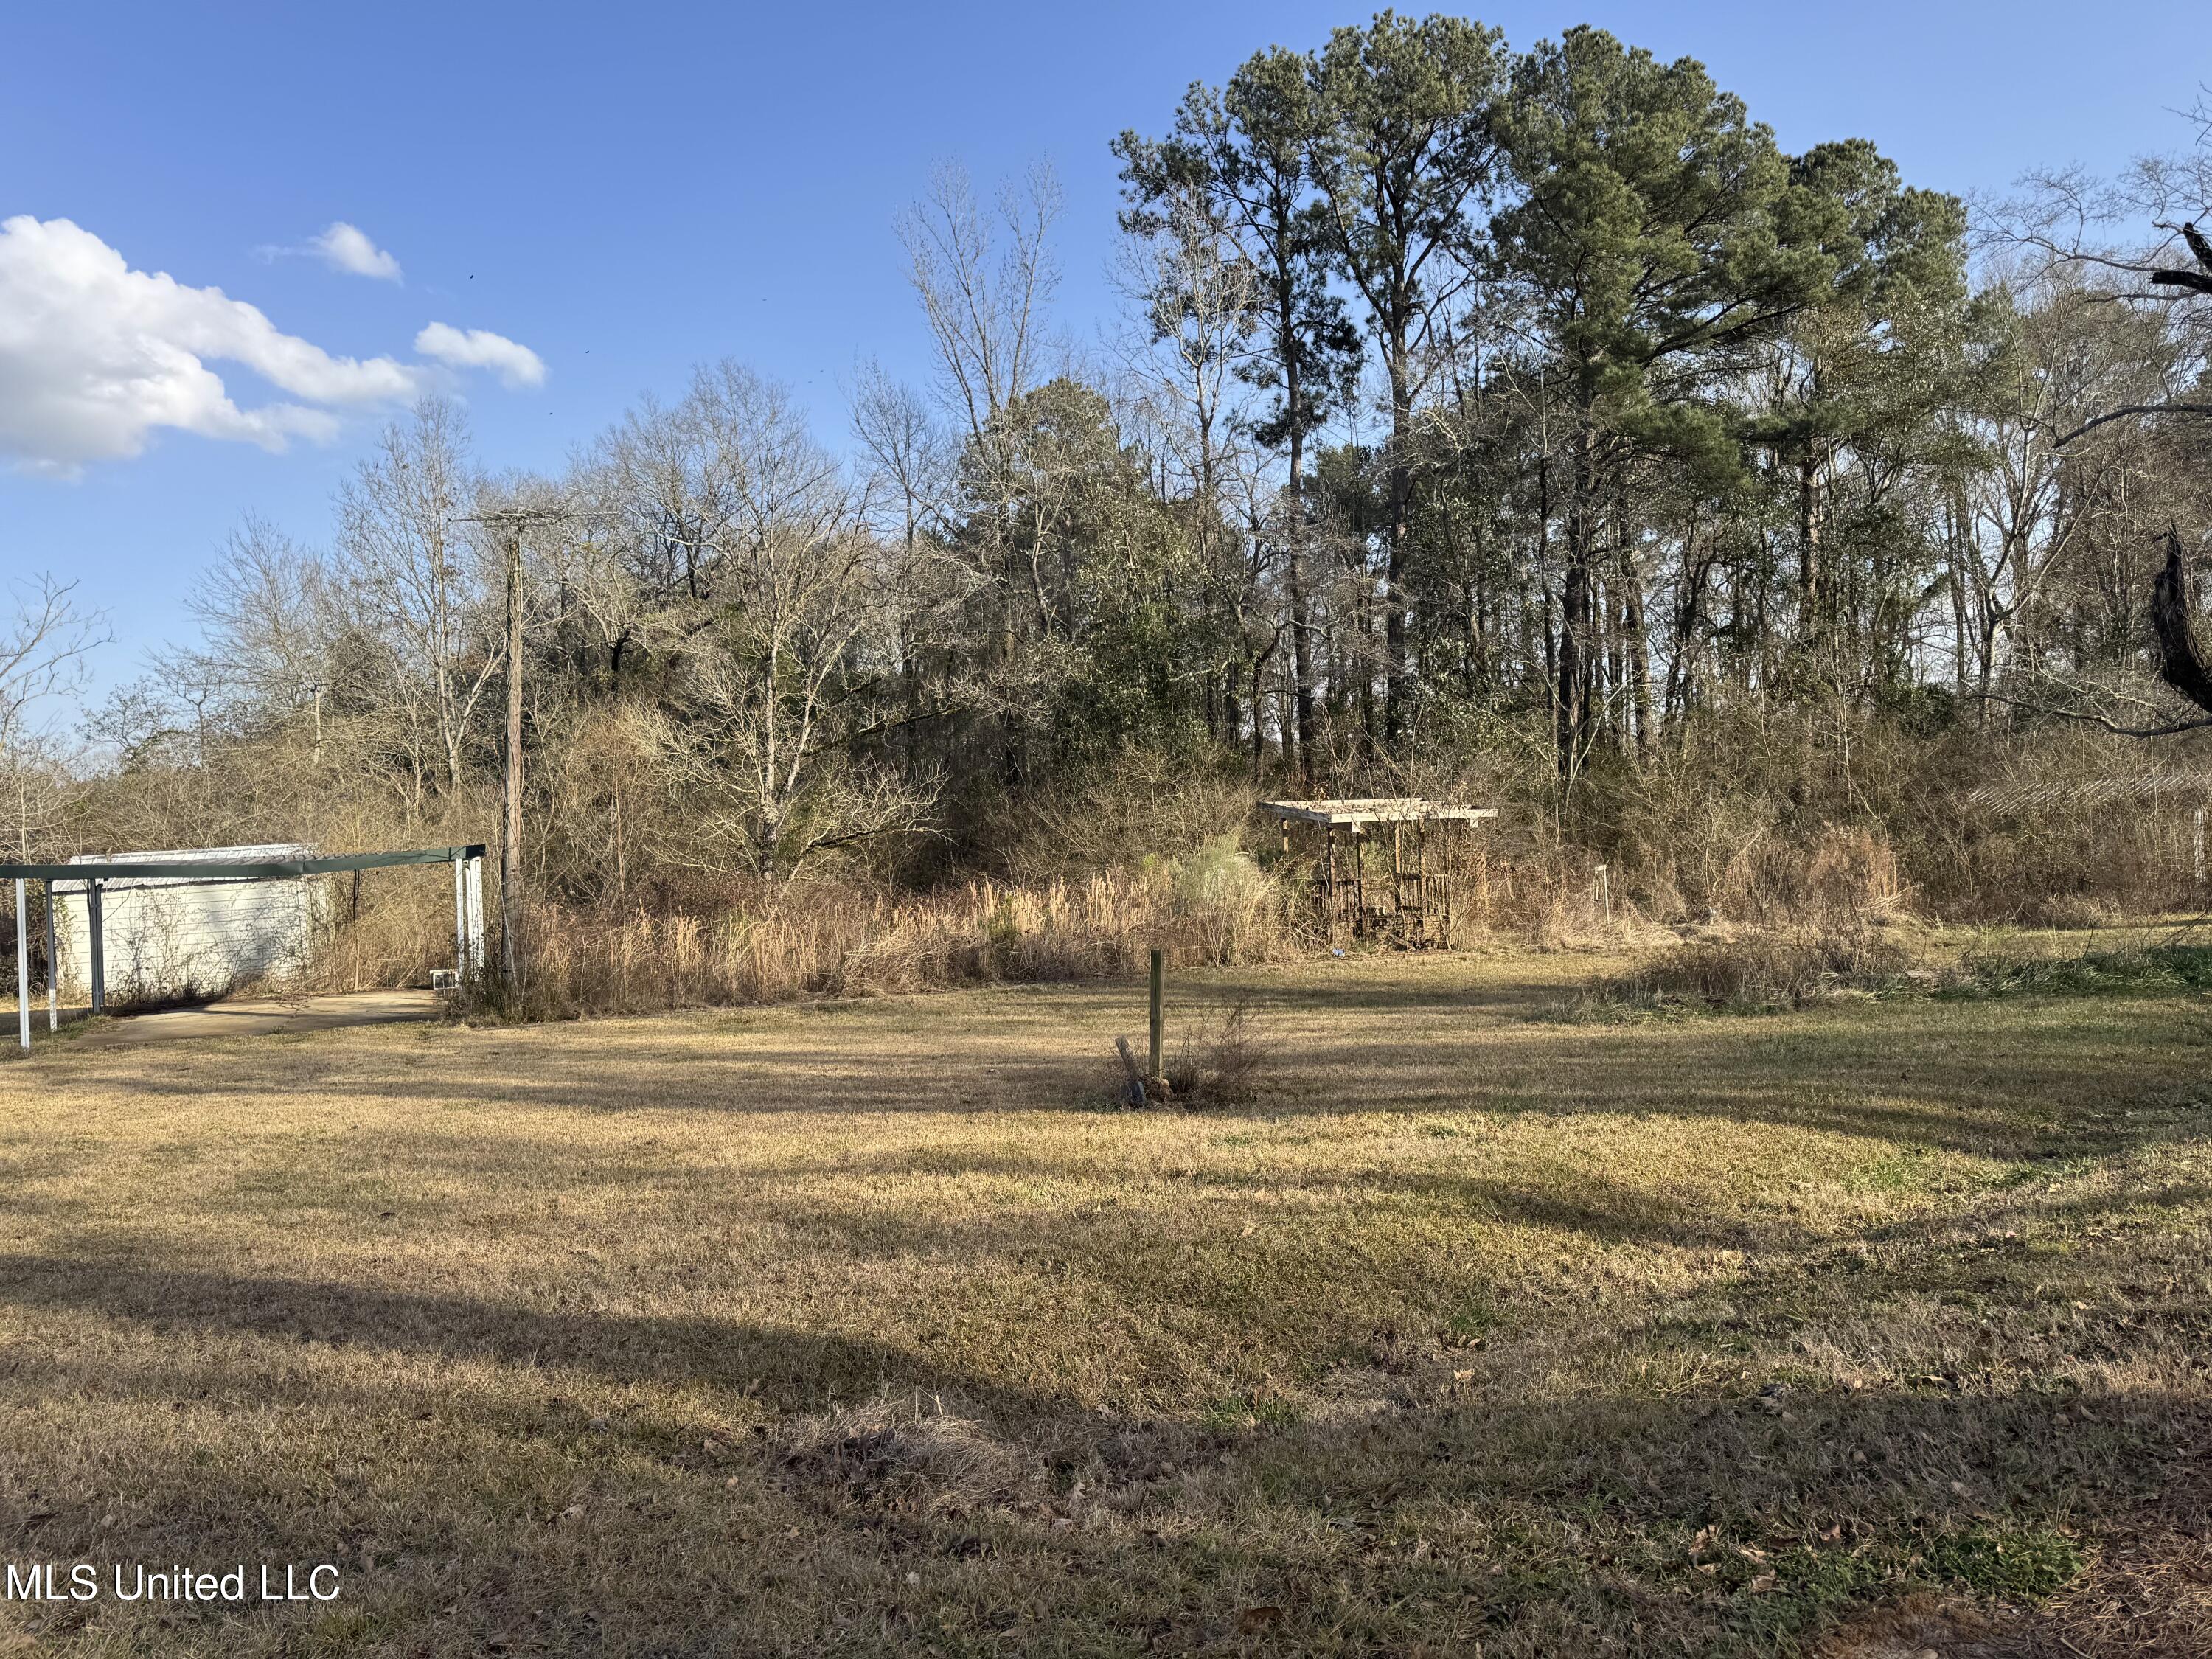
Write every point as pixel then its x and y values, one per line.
pixel 1474 414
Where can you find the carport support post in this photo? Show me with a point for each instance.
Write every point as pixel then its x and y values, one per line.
pixel 461 912
pixel 53 968
pixel 96 928
pixel 22 965
pixel 475 913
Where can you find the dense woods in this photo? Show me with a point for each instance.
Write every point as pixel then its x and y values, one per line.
pixel 1524 426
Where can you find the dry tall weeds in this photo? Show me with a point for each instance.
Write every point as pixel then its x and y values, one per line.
pixel 836 940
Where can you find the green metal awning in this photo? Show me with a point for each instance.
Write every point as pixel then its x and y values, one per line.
pixel 232 869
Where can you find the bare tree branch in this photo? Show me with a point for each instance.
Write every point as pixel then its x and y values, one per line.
pixel 2125 410
pixel 41 647
pixel 2089 717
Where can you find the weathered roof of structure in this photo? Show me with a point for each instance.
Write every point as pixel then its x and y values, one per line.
pixel 1383 809
pixel 2093 792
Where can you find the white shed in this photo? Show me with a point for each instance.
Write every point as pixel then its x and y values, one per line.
pixel 168 936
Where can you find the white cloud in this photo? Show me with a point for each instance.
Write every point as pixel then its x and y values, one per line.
pixel 96 357
pixel 517 366
pixel 344 247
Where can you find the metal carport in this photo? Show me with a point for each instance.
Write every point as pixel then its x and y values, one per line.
pixel 93 873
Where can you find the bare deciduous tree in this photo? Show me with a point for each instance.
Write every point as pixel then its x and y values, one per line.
pixel 775 693
pixel 984 290
pixel 423 583
pixel 43 648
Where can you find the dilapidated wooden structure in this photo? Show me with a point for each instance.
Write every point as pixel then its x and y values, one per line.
pixel 1398 868
pixel 2172 810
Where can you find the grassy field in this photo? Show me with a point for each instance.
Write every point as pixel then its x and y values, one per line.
pixel 865 1328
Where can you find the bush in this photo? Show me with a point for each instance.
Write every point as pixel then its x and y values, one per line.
pixel 1785 967
pixel 1221 1058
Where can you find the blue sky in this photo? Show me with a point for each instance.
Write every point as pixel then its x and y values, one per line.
pixel 627 191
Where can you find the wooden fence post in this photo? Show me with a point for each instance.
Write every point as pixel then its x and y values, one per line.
pixel 1358 884
pixel 1421 882
pixel 1328 879
pixel 1154 1053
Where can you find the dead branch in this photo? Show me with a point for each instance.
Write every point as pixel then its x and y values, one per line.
pixel 2090 717
pixel 2181 659
pixel 2181 662
pixel 2126 409
pixel 2198 281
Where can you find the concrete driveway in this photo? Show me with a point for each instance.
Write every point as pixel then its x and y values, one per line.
pixel 263 1016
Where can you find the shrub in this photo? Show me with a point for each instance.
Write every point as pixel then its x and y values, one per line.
pixel 1784 967
pixel 1221 1058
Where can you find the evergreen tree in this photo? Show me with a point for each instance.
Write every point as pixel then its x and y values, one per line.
pixel 1404 149
pixel 1661 241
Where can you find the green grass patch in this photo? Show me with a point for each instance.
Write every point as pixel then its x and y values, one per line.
pixel 1470 1323
pixel 1235 1413
pixel 1912 1170
pixel 2029 1562
pixel 1758 974
pixel 2154 970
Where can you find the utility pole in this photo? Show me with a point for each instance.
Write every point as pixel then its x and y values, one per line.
pixel 510 827
pixel 513 521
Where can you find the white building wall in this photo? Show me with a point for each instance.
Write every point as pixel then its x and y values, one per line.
pixel 164 936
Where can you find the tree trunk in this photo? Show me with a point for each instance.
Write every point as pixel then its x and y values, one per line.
pixel 1301 625
pixel 1401 498
pixel 1809 574
pixel 1639 662
pixel 2182 663
pixel 1575 609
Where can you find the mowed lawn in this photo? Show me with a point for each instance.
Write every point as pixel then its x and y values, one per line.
pixel 868 1329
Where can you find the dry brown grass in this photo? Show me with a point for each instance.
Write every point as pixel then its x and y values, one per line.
pixel 909 1453
pixel 845 1330
pixel 788 943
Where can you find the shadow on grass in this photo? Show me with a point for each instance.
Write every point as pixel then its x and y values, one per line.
pixel 1492 1507
pixel 787 1370
pixel 1965 1089
pixel 1635 1474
